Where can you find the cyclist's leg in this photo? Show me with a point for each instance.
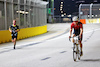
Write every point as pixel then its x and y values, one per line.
pixel 73 38
pixel 80 42
pixel 15 38
pixel 81 48
pixel 12 37
pixel 14 41
pixel 74 34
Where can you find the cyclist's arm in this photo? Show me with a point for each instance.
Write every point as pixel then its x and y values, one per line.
pixel 81 29
pixel 81 32
pixel 70 32
pixel 10 30
pixel 17 29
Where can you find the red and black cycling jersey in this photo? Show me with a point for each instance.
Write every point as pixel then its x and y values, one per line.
pixel 76 26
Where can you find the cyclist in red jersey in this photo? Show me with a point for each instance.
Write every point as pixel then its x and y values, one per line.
pixel 78 31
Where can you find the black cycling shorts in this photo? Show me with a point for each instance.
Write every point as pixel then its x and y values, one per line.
pixel 14 36
pixel 80 38
pixel 77 32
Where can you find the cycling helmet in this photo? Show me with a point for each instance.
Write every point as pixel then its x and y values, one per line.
pixel 75 18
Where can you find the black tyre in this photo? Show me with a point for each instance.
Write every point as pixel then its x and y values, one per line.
pixel 79 53
pixel 74 53
pixel 79 56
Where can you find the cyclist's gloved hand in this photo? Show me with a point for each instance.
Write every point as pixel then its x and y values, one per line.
pixel 69 36
pixel 79 36
pixel 16 31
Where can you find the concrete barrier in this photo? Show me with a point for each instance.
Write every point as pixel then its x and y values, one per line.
pixel 5 35
pixel 85 21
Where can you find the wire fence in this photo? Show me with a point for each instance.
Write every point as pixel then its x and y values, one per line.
pixel 27 13
pixel 89 11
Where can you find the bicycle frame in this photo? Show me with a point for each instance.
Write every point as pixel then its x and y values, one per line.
pixel 76 39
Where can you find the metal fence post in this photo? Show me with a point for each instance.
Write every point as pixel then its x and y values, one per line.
pixel 91 10
pixel 24 13
pixel 5 6
pixel 80 11
pixel 12 11
pixel 29 13
pixel 53 9
pixel 19 10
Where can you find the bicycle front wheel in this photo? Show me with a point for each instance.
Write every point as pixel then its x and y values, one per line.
pixel 75 52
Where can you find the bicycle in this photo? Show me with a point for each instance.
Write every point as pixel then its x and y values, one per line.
pixel 76 48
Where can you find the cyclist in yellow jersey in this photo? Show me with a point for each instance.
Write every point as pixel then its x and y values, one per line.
pixel 14 29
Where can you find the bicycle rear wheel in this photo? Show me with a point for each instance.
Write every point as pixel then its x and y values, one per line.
pixel 79 53
pixel 79 56
pixel 75 52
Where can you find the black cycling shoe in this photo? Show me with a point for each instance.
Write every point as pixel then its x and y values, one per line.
pixel 81 53
pixel 14 46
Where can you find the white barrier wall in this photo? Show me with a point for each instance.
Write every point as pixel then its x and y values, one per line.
pixel 93 20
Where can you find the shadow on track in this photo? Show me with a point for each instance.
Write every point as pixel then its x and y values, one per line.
pixel 90 60
pixel 21 47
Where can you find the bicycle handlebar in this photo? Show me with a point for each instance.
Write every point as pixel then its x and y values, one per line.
pixel 73 37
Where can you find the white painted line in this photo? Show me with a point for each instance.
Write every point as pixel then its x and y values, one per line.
pixel 92 30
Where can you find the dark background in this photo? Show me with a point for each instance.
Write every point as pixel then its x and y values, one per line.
pixel 71 6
